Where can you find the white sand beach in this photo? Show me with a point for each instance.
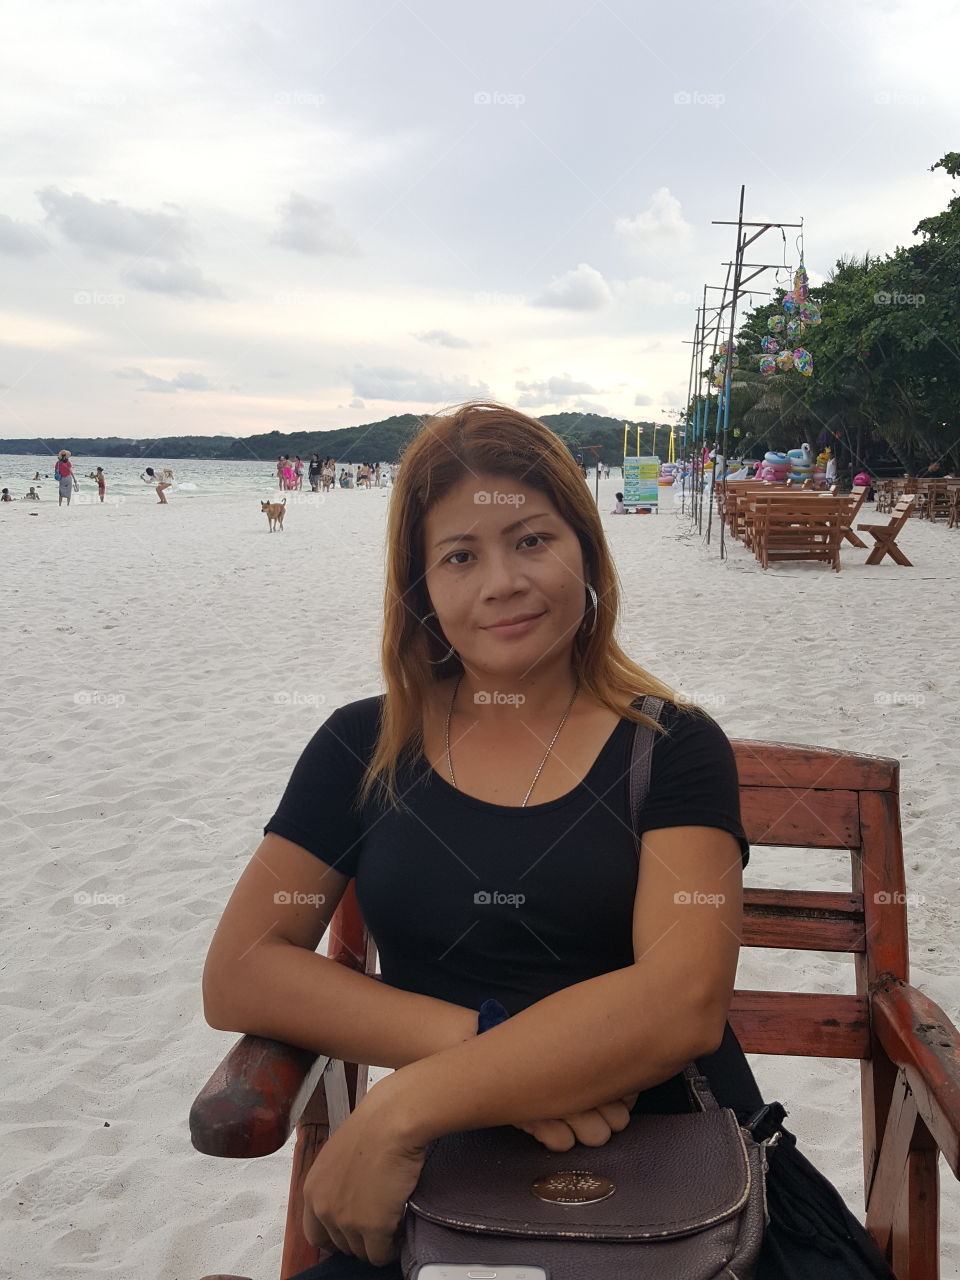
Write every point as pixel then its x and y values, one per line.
pixel 165 666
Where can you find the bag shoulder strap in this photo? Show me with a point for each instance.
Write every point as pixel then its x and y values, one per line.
pixel 641 760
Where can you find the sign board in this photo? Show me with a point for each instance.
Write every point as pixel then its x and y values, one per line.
pixel 640 488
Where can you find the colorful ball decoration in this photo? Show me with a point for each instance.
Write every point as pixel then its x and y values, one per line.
pixel 800 282
pixel 793 329
pixel 725 347
pixel 803 361
pixel 770 346
pixel 810 312
pixel 785 360
pixel 767 364
pixel 789 303
pixel 775 324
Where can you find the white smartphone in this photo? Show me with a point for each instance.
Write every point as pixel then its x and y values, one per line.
pixel 477 1271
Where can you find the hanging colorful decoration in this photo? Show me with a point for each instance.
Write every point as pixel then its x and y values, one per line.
pixel 780 349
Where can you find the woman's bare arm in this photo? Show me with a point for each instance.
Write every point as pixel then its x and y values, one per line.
pixel 262 975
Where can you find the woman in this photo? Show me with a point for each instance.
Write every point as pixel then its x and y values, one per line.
pixel 63 471
pixel 298 472
pixel 482 805
pixel 163 479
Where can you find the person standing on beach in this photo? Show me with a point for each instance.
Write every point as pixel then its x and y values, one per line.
pixel 63 472
pixel 298 472
pixel 163 479
pixel 314 471
pixel 281 463
pixel 101 480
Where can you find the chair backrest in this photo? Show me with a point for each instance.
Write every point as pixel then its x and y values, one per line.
pixel 814 798
pixel 902 511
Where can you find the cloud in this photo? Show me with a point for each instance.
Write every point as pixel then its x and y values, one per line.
pixel 660 224
pixel 357 403
pixel 19 239
pixel 308 226
pixel 177 278
pixel 183 381
pixel 583 289
pixel 554 390
pixel 105 226
pixel 640 398
pixel 380 382
pixel 441 338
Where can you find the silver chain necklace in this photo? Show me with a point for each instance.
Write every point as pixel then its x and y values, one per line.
pixel 576 690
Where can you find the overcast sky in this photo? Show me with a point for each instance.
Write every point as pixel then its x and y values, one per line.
pixel 227 218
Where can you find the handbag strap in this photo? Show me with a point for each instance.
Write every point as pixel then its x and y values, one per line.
pixel 641 760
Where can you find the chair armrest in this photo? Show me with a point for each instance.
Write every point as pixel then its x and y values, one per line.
pixel 251 1103
pixel 917 1035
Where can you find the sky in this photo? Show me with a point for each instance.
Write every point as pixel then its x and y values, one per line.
pixel 231 218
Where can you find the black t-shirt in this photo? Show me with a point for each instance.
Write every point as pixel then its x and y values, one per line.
pixel 468 900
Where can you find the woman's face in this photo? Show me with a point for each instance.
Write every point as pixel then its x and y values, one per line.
pixel 505 575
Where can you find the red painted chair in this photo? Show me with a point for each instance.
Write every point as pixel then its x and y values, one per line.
pixel 909 1051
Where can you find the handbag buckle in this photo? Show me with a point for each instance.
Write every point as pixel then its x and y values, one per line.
pixel 764 1125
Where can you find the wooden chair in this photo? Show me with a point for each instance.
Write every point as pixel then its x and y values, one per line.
pixel 909 1051
pixel 859 494
pixel 885 535
pixel 953 511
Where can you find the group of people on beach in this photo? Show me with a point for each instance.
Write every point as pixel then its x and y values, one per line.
pixel 67 483
pixel 322 475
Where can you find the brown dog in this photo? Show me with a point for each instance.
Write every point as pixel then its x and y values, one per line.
pixel 274 512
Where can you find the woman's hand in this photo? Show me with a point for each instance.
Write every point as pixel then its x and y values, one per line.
pixel 593 1128
pixel 356 1191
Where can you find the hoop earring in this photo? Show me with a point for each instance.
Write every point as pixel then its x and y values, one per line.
pixel 592 594
pixel 436 662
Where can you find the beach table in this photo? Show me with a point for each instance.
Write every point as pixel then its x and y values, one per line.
pixel 804 528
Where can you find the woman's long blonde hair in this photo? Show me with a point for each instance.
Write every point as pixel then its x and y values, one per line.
pixel 490 439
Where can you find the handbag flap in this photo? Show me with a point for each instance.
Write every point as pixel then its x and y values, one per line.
pixel 671 1175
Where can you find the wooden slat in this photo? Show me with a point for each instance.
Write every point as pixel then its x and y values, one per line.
pixel 787 764
pixel 800 817
pixel 800 1024
pixel 878 874
pixel 803 920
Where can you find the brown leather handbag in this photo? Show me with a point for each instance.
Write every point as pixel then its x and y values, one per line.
pixel 676 1197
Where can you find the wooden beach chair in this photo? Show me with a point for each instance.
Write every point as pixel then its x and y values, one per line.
pixel 885 535
pixel 859 495
pixel 908 1050
pixel 953 514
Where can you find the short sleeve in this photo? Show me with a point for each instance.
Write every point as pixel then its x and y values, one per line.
pixel 693 778
pixel 317 809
